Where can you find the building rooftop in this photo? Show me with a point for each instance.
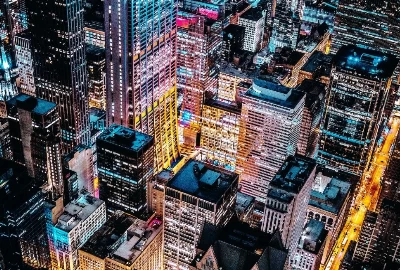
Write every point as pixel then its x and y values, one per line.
pixel 313 236
pixel 368 63
pixel 315 92
pixel 203 181
pixel 104 240
pixel 243 202
pixel 332 197
pixel 139 235
pixel 96 114
pixel 95 53
pixel 272 91
pixel 320 62
pixel 77 211
pixel 252 14
pixel 239 247
pixel 32 104
pixel 127 138
pixel 293 174
pixel 225 106
pixel 77 149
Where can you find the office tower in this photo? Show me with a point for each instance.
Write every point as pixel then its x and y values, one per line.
pixel 269 132
pixel 23 56
pixel 141 72
pixel 79 220
pixel 199 46
pixel 125 164
pixel 96 61
pixel 5 144
pixel 233 40
pixel 380 236
pixel 134 244
pixel 253 21
pixel 358 93
pixel 155 192
pixel 230 76
pixel 35 139
pixel 80 160
pixel 286 28
pixel 198 193
pixel 311 246
pixel 94 23
pixel 370 23
pixel 237 246
pixel 23 239
pixel 329 203
pixel 59 62
pixel 314 108
pixel 220 133
pixel 390 186
pixel 287 200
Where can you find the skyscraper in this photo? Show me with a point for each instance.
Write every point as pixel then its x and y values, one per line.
pixel 199 48
pixel 269 133
pixel 23 239
pixel 358 93
pixel 35 139
pixel 125 164
pixel 60 64
pixel 198 193
pixel 380 236
pixel 141 71
pixel 287 200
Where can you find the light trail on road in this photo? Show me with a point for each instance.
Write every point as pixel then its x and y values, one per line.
pixel 366 199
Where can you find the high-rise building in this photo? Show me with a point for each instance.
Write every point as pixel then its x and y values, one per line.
pixel 198 193
pixel 233 40
pixel 314 108
pixel 287 200
pixel 155 192
pixel 220 133
pixel 80 160
pixel 199 47
pixel 237 246
pixel 96 76
pixel 390 186
pixel 35 139
pixel 141 71
pixel 311 246
pixel 5 144
pixel 380 236
pixel 23 239
pixel 329 203
pixel 358 93
pixel 79 220
pixel 125 165
pixel 269 133
pixel 59 61
pixel 228 82
pixel 286 27
pixel 23 56
pixel 373 24
pixel 253 21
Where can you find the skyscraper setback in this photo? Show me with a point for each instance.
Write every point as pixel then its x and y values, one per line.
pixel 141 71
pixel 60 64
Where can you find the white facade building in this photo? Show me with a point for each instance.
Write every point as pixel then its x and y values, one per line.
pixel 269 132
pixel 288 198
pixel 253 20
pixel 80 219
